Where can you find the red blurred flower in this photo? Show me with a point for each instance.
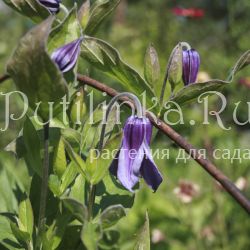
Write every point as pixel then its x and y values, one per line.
pixel 188 12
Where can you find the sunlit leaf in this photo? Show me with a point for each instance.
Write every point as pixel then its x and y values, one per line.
pixel 99 11
pixel 35 74
pixel 104 57
pixel 111 215
pixel 30 8
pixel 83 13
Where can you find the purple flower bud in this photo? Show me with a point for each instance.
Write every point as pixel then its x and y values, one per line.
pixel 52 5
pixel 134 159
pixel 190 66
pixel 66 56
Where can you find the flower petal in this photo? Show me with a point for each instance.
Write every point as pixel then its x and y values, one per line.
pixel 149 170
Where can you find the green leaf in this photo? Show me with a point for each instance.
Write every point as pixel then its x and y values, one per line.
pixel 78 191
pixel 80 164
pixel 68 176
pixel 193 91
pixel 99 11
pixel 89 235
pixel 64 33
pixel 35 74
pixel 111 215
pixel 26 218
pixel 73 137
pixel 77 209
pixel 30 8
pixel 19 234
pixel 243 61
pixel 97 166
pixel 151 66
pixel 83 13
pixel 59 161
pixel 143 238
pixel 54 184
pixel 174 69
pixel 32 145
pixel 107 59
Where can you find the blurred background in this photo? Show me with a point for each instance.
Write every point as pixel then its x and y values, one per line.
pixel 190 210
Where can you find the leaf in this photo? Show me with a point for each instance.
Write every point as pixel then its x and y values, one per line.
pixel 68 176
pixel 83 13
pixel 32 146
pixel 174 69
pixel 151 66
pixel 30 8
pixel 143 238
pixel 73 137
pixel 80 164
pixel 107 59
pixel 54 184
pixel 98 165
pixel 35 74
pixel 59 161
pixel 19 234
pixel 193 91
pixel 64 33
pixel 111 215
pixel 26 218
pixel 243 61
pixel 99 11
pixel 77 209
pixel 89 236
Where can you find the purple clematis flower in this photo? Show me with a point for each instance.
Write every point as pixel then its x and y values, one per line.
pixel 190 66
pixel 52 5
pixel 134 158
pixel 66 56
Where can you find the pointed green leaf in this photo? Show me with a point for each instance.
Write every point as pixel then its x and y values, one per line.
pixel 26 218
pixel 175 67
pixel 99 11
pixel 59 161
pixel 107 59
pixel 111 215
pixel 83 13
pixel 64 33
pixel 97 165
pixel 151 66
pixel 143 238
pixel 80 164
pixel 35 74
pixel 193 91
pixel 32 145
pixel 19 234
pixel 243 61
pixel 77 209
pixel 30 8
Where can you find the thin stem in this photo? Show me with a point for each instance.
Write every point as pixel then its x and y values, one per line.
pixel 44 185
pixel 91 201
pixel 64 9
pixel 179 140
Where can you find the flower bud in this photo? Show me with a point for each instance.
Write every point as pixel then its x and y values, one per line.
pixel 52 5
pixel 190 65
pixel 66 56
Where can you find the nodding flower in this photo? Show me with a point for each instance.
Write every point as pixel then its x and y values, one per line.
pixel 134 159
pixel 52 5
pixel 66 56
pixel 190 65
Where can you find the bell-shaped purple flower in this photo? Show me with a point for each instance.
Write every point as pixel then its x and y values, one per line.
pixel 134 158
pixel 190 65
pixel 66 56
pixel 52 5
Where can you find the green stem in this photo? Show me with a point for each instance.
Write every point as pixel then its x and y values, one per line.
pixel 91 201
pixel 44 185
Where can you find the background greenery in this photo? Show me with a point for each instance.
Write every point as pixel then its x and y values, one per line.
pixel 212 220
